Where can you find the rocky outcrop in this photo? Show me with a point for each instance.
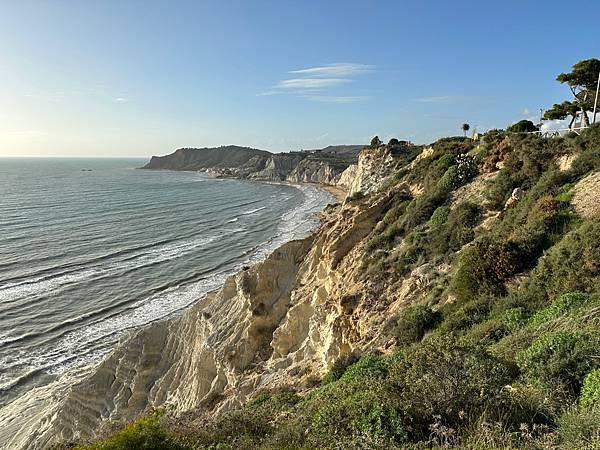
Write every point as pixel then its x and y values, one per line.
pixel 315 171
pixel 375 166
pixel 274 168
pixel 347 177
pixel 586 195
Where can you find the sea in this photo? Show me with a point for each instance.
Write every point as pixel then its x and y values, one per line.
pixel 93 248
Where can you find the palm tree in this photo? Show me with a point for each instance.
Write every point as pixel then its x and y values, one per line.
pixel 465 128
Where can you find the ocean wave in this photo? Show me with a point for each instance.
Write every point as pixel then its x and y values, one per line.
pixel 51 283
pixel 253 211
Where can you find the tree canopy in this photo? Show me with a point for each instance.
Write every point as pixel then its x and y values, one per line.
pixel 522 126
pixel 375 142
pixel 582 81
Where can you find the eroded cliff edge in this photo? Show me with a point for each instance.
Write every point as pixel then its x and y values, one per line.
pixel 283 320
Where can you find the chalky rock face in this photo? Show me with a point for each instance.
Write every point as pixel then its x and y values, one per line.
pixel 313 171
pixel 586 198
pixel 347 177
pixel 375 166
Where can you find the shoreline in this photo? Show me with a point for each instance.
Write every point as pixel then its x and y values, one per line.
pixel 40 407
pixel 338 192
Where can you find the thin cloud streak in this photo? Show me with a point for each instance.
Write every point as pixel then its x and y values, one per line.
pixel 336 99
pixel 311 83
pixel 336 70
pixel 319 83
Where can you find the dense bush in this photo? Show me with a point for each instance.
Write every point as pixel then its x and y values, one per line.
pixel 573 264
pixel 440 215
pixel 414 322
pixel 560 359
pixel 559 307
pixel 145 434
pixel 339 368
pixel 484 267
pixel 446 379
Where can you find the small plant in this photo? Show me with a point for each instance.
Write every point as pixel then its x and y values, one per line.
pixel 356 196
pixel 590 392
pixel 440 215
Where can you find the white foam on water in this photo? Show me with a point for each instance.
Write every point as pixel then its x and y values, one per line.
pixel 253 211
pixel 143 258
pixel 38 285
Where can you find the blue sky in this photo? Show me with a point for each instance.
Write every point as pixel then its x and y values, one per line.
pixel 137 78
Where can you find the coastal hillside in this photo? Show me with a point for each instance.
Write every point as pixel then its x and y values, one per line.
pixel 452 300
pixel 311 166
pixel 203 158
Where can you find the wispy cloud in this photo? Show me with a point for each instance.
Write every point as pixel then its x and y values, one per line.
pixel 311 83
pixel 440 99
pixel 336 99
pixel 336 70
pixel 318 83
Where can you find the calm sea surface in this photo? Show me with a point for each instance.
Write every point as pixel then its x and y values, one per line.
pixel 90 248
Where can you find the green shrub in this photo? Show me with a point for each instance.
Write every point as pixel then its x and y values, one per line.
pixel 457 231
pixel 440 215
pixel 356 196
pixel 519 404
pixel 578 429
pixel 571 265
pixel 453 381
pixel 484 266
pixel 369 410
pixel 465 314
pixel 371 366
pixel 338 368
pixel 514 318
pixel 560 359
pixel 144 433
pixel 450 179
pixel 590 392
pixel 446 161
pixel 559 307
pixel 414 322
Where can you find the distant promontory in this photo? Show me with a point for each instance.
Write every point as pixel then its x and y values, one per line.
pixel 314 166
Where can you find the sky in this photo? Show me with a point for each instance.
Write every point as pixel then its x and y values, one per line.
pixel 140 78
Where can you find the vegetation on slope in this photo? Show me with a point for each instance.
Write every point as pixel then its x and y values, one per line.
pixel 503 353
pixel 490 361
